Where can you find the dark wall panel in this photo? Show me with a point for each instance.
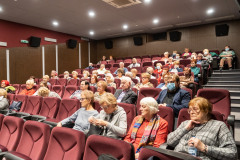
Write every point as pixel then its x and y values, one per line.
pixel 3 67
pixel 50 59
pixel 84 54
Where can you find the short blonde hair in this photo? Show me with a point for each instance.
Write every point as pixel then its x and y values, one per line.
pixel 75 72
pixel 134 70
pixel 3 93
pixel 109 99
pixel 176 62
pixel 103 83
pixel 151 103
pixel 89 95
pixel 46 76
pixel 146 75
pixel 43 91
pixel 86 72
pixel 30 81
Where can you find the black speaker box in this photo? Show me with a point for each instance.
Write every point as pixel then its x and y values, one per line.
pixel 160 36
pixel 221 30
pixel 175 36
pixel 138 41
pixel 72 43
pixel 34 41
pixel 108 44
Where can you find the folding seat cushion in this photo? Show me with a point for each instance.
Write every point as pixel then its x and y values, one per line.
pixel 1 120
pixel 10 97
pixel 61 81
pixel 73 82
pixel 50 106
pixel 52 81
pixel 110 90
pixel 33 105
pixel 65 144
pixel 59 89
pixel 10 133
pixel 97 145
pixel 69 90
pixel 33 142
pixel 17 87
pixel 23 99
pixel 167 114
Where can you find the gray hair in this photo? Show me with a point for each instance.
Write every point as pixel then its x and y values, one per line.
pixel 30 81
pixel 166 53
pixel 110 75
pixel 151 103
pixel 129 74
pixel 128 79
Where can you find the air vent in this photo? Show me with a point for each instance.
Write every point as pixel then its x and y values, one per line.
pixel 122 3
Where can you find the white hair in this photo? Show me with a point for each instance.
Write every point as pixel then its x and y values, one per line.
pixel 128 79
pixel 66 72
pixel 129 74
pixel 151 103
pixel 166 53
pixel 110 75
pixel 30 81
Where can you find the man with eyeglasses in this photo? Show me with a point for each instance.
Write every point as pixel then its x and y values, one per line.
pixel 174 96
pixel 126 95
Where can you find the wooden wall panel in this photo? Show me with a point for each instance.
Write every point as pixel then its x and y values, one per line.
pixel 3 67
pixel 50 59
pixel 84 54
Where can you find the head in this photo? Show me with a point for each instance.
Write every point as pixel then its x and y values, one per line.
pixel 227 48
pixel 94 79
pixel 104 58
pixel 173 83
pixel 53 73
pixel 32 77
pixel 159 66
pixel 205 52
pixel 166 77
pixel 102 66
pixel 29 84
pixel 84 85
pixel 87 98
pixel 109 78
pixel 134 72
pixel 145 78
pixel 175 52
pixel 110 57
pixel 129 74
pixel 187 71
pixel 200 109
pixel 85 74
pixel 108 103
pixel 4 83
pixel 43 91
pixel 3 93
pixel 166 54
pixel 177 56
pixel 43 84
pixel 101 86
pixel 186 50
pixel 176 64
pixel 150 70
pixel 170 59
pixel 107 71
pixel 148 107
pixel 120 72
pixel 194 55
pixel 66 74
pixel 45 78
pixel 126 83
pixel 134 60
pixel 95 72
pixel 121 65
pixel 165 71
pixel 90 64
pixel 193 63
pixel 199 57
pixel 75 74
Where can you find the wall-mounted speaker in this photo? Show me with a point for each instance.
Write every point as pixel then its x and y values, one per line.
pixel 160 36
pixel 138 41
pixel 108 44
pixel 34 41
pixel 221 30
pixel 175 36
pixel 72 43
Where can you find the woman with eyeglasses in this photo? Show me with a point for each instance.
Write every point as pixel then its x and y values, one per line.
pixel 145 81
pixel 112 117
pixel 101 90
pixel 80 117
pixel 201 135
pixel 93 81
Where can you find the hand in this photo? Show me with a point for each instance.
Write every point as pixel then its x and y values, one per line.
pixel 191 124
pixel 59 124
pixel 101 122
pixel 196 143
pixel 92 120
pixel 136 155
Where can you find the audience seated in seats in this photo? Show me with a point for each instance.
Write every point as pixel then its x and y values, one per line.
pixel 148 128
pixel 120 73
pixel 3 99
pixel 166 56
pixel 46 79
pixel 150 71
pixel 207 56
pixel 158 71
pixel 174 54
pixel 121 65
pixel 110 80
pixel 170 62
pixel 211 138
pixel 54 74
pixel 5 85
pixel 134 63
pixel 103 59
pixel 163 86
pixel 177 56
pixel 176 67
pixel 227 55
pixel 110 58
pixel 130 75
pixel 45 92
pixel 186 80
pixel 101 90
pixel 195 70
pixel 134 73
pixel 29 88
pixel 77 94
pixel 81 116
pixel 186 53
pixel 145 82
pixel 174 96
pixel 94 80
pixel 125 94
pixel 75 75
pixel 112 117
pixel 194 55
pixel 85 75
pixel 199 58
pixel 90 66
pixel 41 84
pixel 33 78
pixel 102 69
pixel 66 75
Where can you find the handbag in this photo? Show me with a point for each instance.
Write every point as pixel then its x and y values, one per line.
pixel 16 105
pixel 98 130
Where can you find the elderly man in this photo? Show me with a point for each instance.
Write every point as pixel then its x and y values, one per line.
pixel 121 65
pixel 150 71
pixel 102 69
pixel 174 96
pixel 90 66
pixel 226 55
pixel 134 63
pixel 54 74
pixel 126 95
pixel 45 79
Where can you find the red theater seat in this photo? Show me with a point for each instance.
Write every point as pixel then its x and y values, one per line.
pixel 10 97
pixel 69 90
pixel 73 82
pixel 167 114
pixel 1 120
pixel 110 90
pixel 17 87
pixel 59 89
pixel 52 81
pixel 50 106
pixel 61 81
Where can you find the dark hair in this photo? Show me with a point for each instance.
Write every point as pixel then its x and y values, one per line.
pixel 95 77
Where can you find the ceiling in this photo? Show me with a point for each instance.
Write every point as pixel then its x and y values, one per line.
pixel 73 18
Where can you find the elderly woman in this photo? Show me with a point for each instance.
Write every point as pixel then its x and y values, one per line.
pixel 3 99
pixel 81 116
pixel 199 58
pixel 110 80
pixel 45 92
pixel 112 117
pixel 101 90
pixel 46 79
pixel 134 73
pixel 150 71
pixel 93 80
pixel 77 94
pixel 195 70
pixel 211 138
pixel 120 73
pixel 187 78
pixel 66 75
pixel 29 88
pixel 176 68
pixel 5 85
pixel 145 82
pixel 85 74
pixel 148 128
pixel 75 75
pixel 102 69
pixel 54 74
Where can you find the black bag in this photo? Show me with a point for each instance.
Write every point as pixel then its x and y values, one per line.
pixel 106 157
pixel 16 105
pixel 98 130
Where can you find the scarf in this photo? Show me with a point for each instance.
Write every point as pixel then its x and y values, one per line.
pixel 149 134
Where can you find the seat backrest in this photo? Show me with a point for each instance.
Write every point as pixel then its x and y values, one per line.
pixel 10 97
pixel 1 120
pixel 220 99
pixel 119 60
pixel 110 90
pixel 11 131
pixel 34 139
pixel 167 114
pixel 23 99
pixel 17 87
pixel 97 145
pixel 67 108
pixel 79 70
pixel 65 144
pixel 144 69
pixel 33 105
pixel 154 82
pixel 93 89
pixel 115 65
pixel 159 61
pixel 146 60
pixel 156 58
pixel 127 61
pixel 97 106
pixel 50 106
pixel 189 90
pixel 61 81
pixel 118 82
pixel 185 62
pixel 147 92
pixel 59 89
pixel 148 63
pixel 73 82
pixel 69 90
pixel 52 81
pixel 22 87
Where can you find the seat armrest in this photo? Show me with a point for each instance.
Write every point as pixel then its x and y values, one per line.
pixel 231 120
pixel 11 156
pixel 53 124
pixel 37 118
pixel 4 111
pixel 163 146
pixel 199 75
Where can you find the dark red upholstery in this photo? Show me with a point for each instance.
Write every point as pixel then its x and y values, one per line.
pixel 17 87
pixel 108 66
pixel 146 60
pixel 135 80
pixel 97 106
pixel 65 144
pixel 148 63
pixel 167 114
pixel 61 81
pixel 185 62
pixel 50 106
pixel 156 58
pixel 119 60
pixel 79 70
pixel 93 89
pixel 23 99
pixel 59 89
pixel 1 120
pixel 97 145
pixel 127 61
pixel 110 90
pixel 147 92
pixel 118 82
pixel 130 111
pixel 33 105
pixel 220 99
pixel 154 82
pixel 10 97
pixel 73 82
pixel 113 69
pixel 10 134
pixel 162 62
pixel 69 90
pixel 52 81
pixel 115 65
pixel 189 90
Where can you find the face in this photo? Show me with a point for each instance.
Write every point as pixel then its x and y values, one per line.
pixel 150 71
pixel 195 113
pixel 66 75
pixel 121 65
pixel 145 111
pixel 199 57
pixel 74 75
pixel 119 74
pixel 45 79
pixel 226 47
pixel 125 85
pixel 145 80
pixel 110 57
pixel 53 73
pixel 29 85
pixel 93 80
pixel 108 78
pixel 84 101
pixel 166 78
pixel 170 60
pixel 100 88
pixel 107 108
pixel 186 50
pixel 102 66
pixel 83 86
pixel 166 55
pixel 186 70
pixel 3 85
pixel 134 60
pixel 173 80
pixel 193 64
pixel 104 57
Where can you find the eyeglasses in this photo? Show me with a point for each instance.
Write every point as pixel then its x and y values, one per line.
pixel 194 110
pixel 144 77
pixel 81 99
pixel 105 107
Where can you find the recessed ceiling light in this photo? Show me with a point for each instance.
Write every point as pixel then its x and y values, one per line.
pixel 210 11
pixel 147 1
pixel 91 32
pixel 155 21
pixel 1 9
pixel 55 23
pixel 91 14
pixel 125 26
